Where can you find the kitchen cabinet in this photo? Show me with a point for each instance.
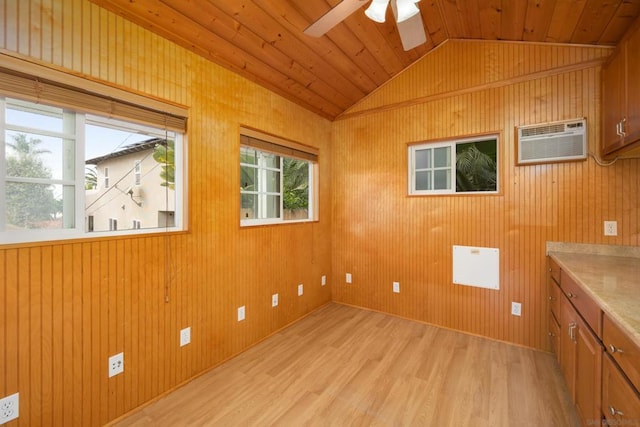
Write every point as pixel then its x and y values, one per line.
pixel 621 98
pixel 554 308
pixel 580 361
pixel 623 351
pixel 621 376
pixel 620 402
pixel 575 327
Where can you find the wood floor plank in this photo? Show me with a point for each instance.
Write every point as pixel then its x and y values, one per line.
pixel 347 366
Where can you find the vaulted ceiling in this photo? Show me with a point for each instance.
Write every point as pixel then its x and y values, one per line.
pixel 263 40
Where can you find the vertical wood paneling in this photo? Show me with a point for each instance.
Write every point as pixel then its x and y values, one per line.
pixel 66 307
pixel 555 202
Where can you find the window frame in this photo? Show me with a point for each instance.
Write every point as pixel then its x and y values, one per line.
pixel 269 144
pixel 452 143
pixel 80 227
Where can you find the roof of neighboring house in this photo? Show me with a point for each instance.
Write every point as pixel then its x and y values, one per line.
pixel 129 149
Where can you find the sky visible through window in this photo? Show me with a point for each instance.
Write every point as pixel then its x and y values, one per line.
pixel 100 139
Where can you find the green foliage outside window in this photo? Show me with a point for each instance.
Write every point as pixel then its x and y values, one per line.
pixel 295 184
pixel 476 166
pixel 164 153
pixel 27 204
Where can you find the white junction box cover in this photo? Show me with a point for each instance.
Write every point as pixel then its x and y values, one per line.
pixel 474 266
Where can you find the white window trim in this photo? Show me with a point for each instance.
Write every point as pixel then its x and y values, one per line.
pixel 281 220
pixel 411 182
pixel 313 185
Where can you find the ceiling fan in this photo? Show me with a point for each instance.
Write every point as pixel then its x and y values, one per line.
pixel 406 13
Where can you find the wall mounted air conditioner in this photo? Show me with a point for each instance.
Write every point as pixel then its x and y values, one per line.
pixel 552 142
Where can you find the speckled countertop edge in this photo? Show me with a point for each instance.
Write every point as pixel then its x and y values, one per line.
pixel 583 248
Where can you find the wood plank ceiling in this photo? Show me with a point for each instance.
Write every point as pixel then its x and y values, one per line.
pixel 263 40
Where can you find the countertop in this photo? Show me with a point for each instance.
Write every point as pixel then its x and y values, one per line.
pixel 613 282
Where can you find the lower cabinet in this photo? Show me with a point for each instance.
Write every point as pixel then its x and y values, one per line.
pixel 581 363
pixel 620 402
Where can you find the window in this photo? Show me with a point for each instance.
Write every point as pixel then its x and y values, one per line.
pixel 465 166
pixel 277 182
pixel 52 159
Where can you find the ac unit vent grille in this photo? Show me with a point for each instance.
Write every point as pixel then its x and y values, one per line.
pixel 543 130
pixel 552 142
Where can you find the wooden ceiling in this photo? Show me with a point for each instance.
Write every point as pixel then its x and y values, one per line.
pixel 263 40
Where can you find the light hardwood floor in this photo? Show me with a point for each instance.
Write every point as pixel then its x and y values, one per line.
pixel 347 366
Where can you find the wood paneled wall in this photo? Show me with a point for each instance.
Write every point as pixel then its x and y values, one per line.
pixel 65 307
pixel 381 235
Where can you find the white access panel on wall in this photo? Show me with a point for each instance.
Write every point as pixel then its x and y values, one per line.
pixel 473 266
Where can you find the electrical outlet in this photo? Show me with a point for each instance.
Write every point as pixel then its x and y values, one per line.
pixel 611 228
pixel 9 408
pixel 324 280
pixel 274 300
pixel 241 313
pixel 116 364
pixel 300 289
pixel 348 277
pixel 396 287
pixel 516 309
pixel 185 336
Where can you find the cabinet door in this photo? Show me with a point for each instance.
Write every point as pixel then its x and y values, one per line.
pixel 588 377
pixel 620 402
pixel 554 336
pixel 568 326
pixel 632 123
pixel 614 101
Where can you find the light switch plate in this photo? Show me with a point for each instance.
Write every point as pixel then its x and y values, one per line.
pixel 348 278
pixel 241 313
pixel 396 287
pixel 274 300
pixel 324 280
pixel 300 289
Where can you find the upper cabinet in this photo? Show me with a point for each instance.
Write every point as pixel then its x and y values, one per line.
pixel 621 94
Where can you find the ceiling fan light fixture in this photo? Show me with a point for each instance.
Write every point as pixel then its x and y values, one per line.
pixel 406 9
pixel 377 10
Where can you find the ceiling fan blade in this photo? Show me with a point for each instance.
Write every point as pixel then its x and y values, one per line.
pixel 411 31
pixel 333 17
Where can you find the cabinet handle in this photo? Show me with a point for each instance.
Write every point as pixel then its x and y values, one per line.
pixel 614 411
pixel 619 128
pixel 623 125
pixel 572 331
pixel 614 349
pixel 571 295
pixel 552 299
